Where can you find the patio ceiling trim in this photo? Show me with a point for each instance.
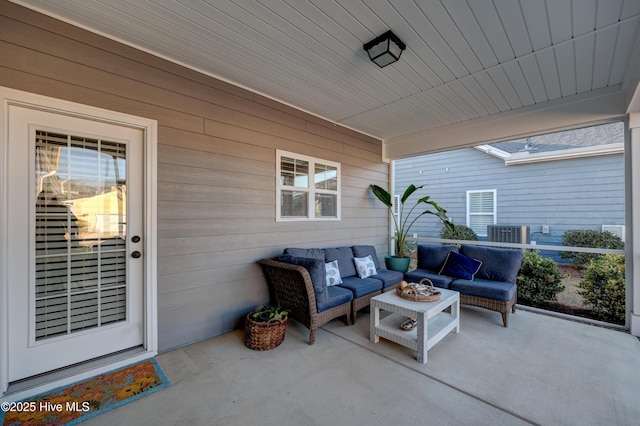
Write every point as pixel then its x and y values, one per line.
pixel 464 60
pixel 596 107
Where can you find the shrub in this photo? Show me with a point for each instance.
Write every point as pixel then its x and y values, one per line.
pixel 539 279
pixel 588 238
pixel 460 232
pixel 603 287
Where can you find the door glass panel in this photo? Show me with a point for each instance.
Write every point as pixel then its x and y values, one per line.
pixel 80 233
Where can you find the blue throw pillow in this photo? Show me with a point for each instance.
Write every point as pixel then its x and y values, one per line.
pixel 460 266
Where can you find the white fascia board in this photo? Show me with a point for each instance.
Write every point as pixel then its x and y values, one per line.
pixel 565 154
pixel 496 152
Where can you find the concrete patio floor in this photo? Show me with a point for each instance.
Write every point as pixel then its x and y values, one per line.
pixel 540 370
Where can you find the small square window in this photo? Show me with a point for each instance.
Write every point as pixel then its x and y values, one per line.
pixel 307 188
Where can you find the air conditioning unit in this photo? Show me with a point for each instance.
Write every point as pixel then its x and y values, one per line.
pixel 509 234
pixel 615 229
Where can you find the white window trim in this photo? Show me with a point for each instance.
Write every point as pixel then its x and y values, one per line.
pixel 310 189
pixel 495 207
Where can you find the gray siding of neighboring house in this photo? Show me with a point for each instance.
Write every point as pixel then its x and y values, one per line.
pixel 582 193
pixel 216 166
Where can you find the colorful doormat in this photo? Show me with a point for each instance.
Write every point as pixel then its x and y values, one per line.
pixel 72 404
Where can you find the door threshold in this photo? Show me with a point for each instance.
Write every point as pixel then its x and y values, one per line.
pixel 34 385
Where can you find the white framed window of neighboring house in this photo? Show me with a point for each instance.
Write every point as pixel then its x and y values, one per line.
pixel 482 210
pixel 307 188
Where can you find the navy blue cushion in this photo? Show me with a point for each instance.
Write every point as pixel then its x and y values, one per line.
pixel 460 266
pixel 416 275
pixel 361 286
pixel 432 256
pixel 344 256
pixel 316 271
pixel 364 251
pixel 388 278
pixel 496 290
pixel 497 264
pixel 336 296
pixel 314 253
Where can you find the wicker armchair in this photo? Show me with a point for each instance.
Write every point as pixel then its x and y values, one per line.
pixel 290 286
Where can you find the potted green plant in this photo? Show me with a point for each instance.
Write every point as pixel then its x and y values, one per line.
pixel 403 222
pixel 265 328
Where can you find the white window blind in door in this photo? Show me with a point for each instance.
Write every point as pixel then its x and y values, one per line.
pixel 80 233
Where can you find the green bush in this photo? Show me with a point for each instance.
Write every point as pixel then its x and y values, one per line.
pixel 539 279
pixel 588 238
pixel 603 287
pixel 460 232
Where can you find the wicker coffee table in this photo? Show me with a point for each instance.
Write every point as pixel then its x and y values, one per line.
pixel 433 322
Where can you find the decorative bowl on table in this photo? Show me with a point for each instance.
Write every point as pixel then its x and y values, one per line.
pixel 424 291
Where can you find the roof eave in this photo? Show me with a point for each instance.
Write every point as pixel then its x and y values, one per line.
pixel 565 154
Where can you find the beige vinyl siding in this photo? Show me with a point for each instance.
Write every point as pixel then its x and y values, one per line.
pixel 216 166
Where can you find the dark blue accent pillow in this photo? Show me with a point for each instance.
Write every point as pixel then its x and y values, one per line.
pixel 316 272
pixel 460 266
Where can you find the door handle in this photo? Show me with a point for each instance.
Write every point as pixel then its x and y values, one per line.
pixel 136 254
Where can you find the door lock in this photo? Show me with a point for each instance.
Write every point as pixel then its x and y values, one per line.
pixel 136 254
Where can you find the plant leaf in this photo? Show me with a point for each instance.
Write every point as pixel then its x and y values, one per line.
pixel 382 195
pixel 410 190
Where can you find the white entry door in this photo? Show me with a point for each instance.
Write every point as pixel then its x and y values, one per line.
pixel 75 235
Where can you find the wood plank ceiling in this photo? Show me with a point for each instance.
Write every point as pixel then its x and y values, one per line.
pixel 465 59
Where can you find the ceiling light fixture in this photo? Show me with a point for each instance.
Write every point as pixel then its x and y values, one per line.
pixel 385 49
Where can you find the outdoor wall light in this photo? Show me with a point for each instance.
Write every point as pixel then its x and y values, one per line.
pixel 385 49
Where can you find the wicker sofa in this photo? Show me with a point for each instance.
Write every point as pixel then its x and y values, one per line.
pixel 297 280
pixel 490 285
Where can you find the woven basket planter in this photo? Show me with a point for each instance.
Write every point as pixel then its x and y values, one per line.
pixel 262 336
